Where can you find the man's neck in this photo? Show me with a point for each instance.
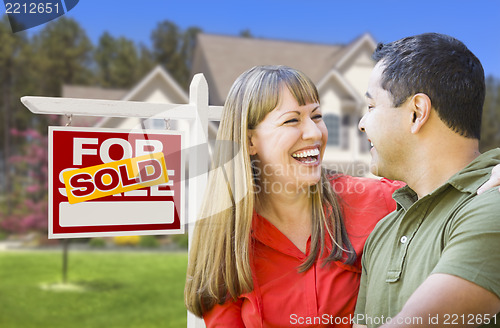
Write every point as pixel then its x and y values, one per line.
pixel 433 165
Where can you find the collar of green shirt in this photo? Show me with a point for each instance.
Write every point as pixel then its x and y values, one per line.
pixel 467 180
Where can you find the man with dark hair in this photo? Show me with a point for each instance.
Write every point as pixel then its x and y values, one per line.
pixel 435 260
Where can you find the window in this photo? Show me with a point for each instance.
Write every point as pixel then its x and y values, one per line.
pixel 346 124
pixel 154 124
pixel 332 122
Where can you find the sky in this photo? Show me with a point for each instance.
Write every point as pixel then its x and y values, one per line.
pixel 476 23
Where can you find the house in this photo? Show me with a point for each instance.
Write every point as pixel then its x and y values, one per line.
pixel 340 72
pixel 156 87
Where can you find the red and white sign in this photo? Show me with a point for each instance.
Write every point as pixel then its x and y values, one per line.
pixel 152 210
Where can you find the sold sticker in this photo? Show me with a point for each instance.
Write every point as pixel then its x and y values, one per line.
pixel 115 177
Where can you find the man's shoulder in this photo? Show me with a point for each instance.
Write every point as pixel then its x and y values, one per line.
pixel 470 241
pixel 482 209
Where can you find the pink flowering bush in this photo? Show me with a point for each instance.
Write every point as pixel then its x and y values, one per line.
pixel 25 209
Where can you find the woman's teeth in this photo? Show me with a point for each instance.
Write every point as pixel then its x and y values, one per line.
pixel 307 153
pixel 307 157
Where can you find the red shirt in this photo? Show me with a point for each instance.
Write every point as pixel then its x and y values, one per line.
pixel 321 296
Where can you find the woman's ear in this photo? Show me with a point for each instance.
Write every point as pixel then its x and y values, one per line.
pixel 252 150
pixel 421 107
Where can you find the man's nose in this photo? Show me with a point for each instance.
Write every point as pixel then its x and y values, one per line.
pixel 361 124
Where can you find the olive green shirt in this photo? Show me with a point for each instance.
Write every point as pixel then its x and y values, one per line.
pixel 451 230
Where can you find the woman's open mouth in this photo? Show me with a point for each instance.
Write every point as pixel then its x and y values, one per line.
pixel 309 156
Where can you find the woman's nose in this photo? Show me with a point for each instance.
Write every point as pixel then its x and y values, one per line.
pixel 311 130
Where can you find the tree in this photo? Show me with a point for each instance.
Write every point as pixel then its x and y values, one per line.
pixel 61 53
pixel 126 63
pixel 64 55
pixel 103 56
pixel 174 49
pixel 490 128
pixel 39 66
pixel 246 33
pixel 146 60
pixel 166 43
pixel 117 61
pixel 12 67
pixel 187 49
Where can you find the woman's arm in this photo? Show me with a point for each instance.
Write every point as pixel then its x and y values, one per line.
pixel 227 315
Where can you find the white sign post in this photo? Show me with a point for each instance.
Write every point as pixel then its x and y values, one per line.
pixel 197 111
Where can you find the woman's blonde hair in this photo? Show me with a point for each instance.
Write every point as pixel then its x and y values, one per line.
pixel 219 259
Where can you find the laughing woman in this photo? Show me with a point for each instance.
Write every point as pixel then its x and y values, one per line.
pixel 280 239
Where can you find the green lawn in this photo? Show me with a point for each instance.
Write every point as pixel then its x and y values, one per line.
pixel 118 289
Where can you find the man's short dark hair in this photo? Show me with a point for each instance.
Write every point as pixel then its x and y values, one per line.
pixel 441 67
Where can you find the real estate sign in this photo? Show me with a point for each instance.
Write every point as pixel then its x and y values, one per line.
pixel 110 182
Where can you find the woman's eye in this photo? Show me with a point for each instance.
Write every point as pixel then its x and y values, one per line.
pixel 293 120
pixel 370 108
pixel 317 117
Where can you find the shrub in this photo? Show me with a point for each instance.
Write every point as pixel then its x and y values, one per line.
pixel 149 242
pixel 97 243
pixel 181 240
pixel 126 240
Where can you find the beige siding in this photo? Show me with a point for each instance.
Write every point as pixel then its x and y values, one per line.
pixel 330 102
pixel 359 72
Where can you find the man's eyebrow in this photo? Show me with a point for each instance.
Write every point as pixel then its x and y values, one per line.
pixel 368 95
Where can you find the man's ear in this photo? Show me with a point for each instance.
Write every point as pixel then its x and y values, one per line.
pixel 252 150
pixel 421 107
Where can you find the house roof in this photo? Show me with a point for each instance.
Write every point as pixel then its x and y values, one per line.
pixel 349 50
pixel 224 58
pixel 147 82
pixel 86 92
pixel 335 77
pixel 160 72
pixel 134 94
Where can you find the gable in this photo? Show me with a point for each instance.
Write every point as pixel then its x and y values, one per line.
pixel 358 71
pixel 158 86
pixel 337 95
pixel 157 90
pixel 158 80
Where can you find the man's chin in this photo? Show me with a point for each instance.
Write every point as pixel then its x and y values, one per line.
pixel 374 169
